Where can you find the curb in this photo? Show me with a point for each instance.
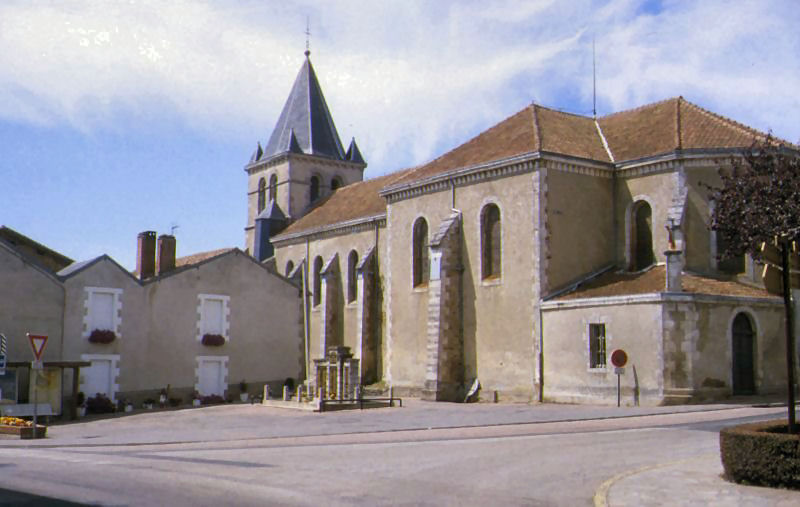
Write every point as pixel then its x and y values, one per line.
pixel 601 495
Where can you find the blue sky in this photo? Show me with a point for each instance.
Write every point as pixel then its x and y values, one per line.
pixel 121 117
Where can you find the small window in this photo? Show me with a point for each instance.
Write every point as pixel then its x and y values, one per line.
pixel 421 264
pixel 597 345
pixel 317 296
pixel 313 194
pixel 352 276
pixel 273 187
pixel 213 313
pixel 491 241
pixel 103 310
pixel 336 183
pixel 289 268
pixel 262 195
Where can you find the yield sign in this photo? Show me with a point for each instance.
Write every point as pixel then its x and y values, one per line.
pixel 37 344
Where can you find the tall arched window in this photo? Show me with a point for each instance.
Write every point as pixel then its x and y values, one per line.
pixel 742 344
pixel 314 189
pixel 262 195
pixel 289 268
pixel 317 297
pixel 642 236
pixel 352 276
pixel 491 242
pixel 421 264
pixel 273 187
pixel 336 183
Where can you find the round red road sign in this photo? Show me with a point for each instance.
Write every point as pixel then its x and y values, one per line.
pixel 619 358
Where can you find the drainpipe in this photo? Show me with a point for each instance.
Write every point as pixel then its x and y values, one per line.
pixel 541 354
pixel 305 313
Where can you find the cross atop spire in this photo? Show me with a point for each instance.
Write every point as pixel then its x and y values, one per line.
pixel 308 35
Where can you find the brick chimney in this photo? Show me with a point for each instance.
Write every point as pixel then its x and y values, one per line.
pixel 166 254
pixel 146 254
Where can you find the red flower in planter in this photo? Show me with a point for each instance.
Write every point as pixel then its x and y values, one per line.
pixel 213 340
pixel 102 336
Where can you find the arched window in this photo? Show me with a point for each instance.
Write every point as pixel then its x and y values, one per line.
pixel 491 242
pixel 314 189
pixel 289 268
pixel 742 343
pixel 642 236
pixel 317 280
pixel 262 194
pixel 352 276
pixel 421 265
pixel 273 187
pixel 336 183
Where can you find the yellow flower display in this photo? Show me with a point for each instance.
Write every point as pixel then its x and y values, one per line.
pixel 15 421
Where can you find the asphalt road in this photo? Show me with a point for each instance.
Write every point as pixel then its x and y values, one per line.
pixel 424 454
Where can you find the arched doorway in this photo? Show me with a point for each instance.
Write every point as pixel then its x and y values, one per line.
pixel 742 341
pixel 642 236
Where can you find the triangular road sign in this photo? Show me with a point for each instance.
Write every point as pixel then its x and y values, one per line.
pixel 37 344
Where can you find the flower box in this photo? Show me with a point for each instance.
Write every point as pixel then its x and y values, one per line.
pixel 213 340
pixel 102 336
pixel 25 432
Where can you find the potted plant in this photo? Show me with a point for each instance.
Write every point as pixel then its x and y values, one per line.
pixel 99 404
pixel 102 336
pixel 213 340
pixel 148 404
pixel 162 397
pixel 128 405
pixel 243 394
pixel 196 399
pixel 80 403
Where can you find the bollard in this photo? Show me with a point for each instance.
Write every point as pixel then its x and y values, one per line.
pixel 266 392
pixel 300 393
pixel 286 395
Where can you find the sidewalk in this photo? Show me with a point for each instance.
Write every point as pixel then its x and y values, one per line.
pixel 697 481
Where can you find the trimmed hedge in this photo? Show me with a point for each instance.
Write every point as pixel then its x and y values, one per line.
pixel 762 454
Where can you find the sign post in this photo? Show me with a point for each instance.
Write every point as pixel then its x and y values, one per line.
pixel 2 354
pixel 38 343
pixel 619 358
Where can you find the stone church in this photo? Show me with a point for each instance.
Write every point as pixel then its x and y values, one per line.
pixel 518 261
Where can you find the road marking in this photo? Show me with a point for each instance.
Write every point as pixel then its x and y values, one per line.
pixel 601 495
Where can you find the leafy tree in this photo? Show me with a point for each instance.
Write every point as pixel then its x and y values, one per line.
pixel 758 202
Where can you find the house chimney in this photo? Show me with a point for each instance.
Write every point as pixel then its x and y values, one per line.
pixel 146 254
pixel 166 254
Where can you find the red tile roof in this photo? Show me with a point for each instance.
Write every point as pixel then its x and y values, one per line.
pixel 647 131
pixel 654 281
pixel 357 200
pixel 200 257
pixel 672 124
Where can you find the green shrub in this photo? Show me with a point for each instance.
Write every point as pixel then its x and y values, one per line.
pixel 762 454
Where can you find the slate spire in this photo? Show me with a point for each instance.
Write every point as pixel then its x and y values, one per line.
pixel 353 153
pixel 305 117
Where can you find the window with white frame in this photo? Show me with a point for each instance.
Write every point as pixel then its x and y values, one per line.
pixel 213 316
pixel 597 345
pixel 103 311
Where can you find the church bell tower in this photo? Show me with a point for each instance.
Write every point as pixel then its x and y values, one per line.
pixel 301 164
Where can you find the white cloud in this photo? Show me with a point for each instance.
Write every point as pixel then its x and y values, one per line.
pixel 407 79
